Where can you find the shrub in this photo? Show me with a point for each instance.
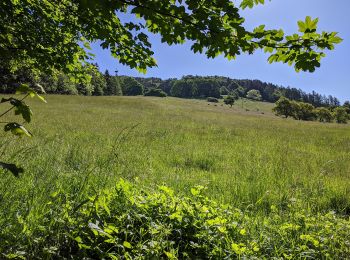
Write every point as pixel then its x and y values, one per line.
pixel 284 107
pixel 132 223
pixel 155 92
pixel 254 95
pixel 213 100
pixel 340 115
pixel 303 111
pixel 324 114
pixel 230 100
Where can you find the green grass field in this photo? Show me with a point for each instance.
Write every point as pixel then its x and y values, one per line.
pixel 245 156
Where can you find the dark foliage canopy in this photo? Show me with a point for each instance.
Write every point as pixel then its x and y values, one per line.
pixel 48 34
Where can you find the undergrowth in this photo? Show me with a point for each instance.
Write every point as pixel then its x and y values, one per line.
pixel 130 222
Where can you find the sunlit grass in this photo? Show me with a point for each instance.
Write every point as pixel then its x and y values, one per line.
pixel 284 176
pixel 244 158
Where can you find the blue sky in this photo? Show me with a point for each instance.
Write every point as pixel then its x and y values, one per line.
pixel 332 78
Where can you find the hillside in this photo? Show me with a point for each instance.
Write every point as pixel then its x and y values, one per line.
pixel 239 155
pixel 269 175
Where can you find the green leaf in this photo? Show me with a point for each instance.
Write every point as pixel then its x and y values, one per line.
pixel 21 108
pixel 127 244
pixel 302 26
pixel 25 111
pixel 25 89
pixel 17 129
pixel 12 168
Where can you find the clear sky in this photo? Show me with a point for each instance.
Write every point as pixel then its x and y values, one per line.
pixel 333 78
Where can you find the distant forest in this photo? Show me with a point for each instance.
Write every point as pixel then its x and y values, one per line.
pixel 216 86
pixel 202 87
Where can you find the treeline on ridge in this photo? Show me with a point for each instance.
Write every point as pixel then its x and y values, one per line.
pixel 98 84
pixel 216 86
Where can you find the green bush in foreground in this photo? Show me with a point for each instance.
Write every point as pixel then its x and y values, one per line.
pixel 130 223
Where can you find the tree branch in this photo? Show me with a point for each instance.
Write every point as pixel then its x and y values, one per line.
pixel 214 32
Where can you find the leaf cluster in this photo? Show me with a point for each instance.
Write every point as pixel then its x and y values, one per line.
pixel 49 35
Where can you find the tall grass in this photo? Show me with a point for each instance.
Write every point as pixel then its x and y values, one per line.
pixel 251 160
pixel 244 158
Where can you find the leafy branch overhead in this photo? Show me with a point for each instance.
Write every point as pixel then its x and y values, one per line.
pixel 57 29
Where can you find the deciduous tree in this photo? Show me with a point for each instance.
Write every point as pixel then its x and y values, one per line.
pixel 340 115
pixel 284 107
pixel 230 100
pixel 303 111
pixel 324 114
pixel 131 87
pixel 49 34
pixel 254 95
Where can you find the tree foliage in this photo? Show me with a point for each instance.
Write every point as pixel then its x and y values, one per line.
pixel 347 106
pixel 98 81
pixel 284 107
pixel 340 115
pixel 131 87
pixel 155 92
pixel 254 95
pixel 184 88
pixel 324 114
pixel 113 87
pixel 47 34
pixel 305 111
pixel 230 100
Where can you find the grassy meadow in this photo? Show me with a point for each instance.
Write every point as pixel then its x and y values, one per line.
pixel 245 156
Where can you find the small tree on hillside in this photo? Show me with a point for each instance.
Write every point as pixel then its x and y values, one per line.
pixel 324 114
pixel 340 115
pixel 284 107
pixel 230 100
pixel 254 95
pixel 304 111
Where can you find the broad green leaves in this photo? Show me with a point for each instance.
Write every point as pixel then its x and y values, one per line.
pixel 20 108
pixel 17 129
pixel 308 26
pixel 250 3
pixel 25 89
pixel 304 50
pixel 60 33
